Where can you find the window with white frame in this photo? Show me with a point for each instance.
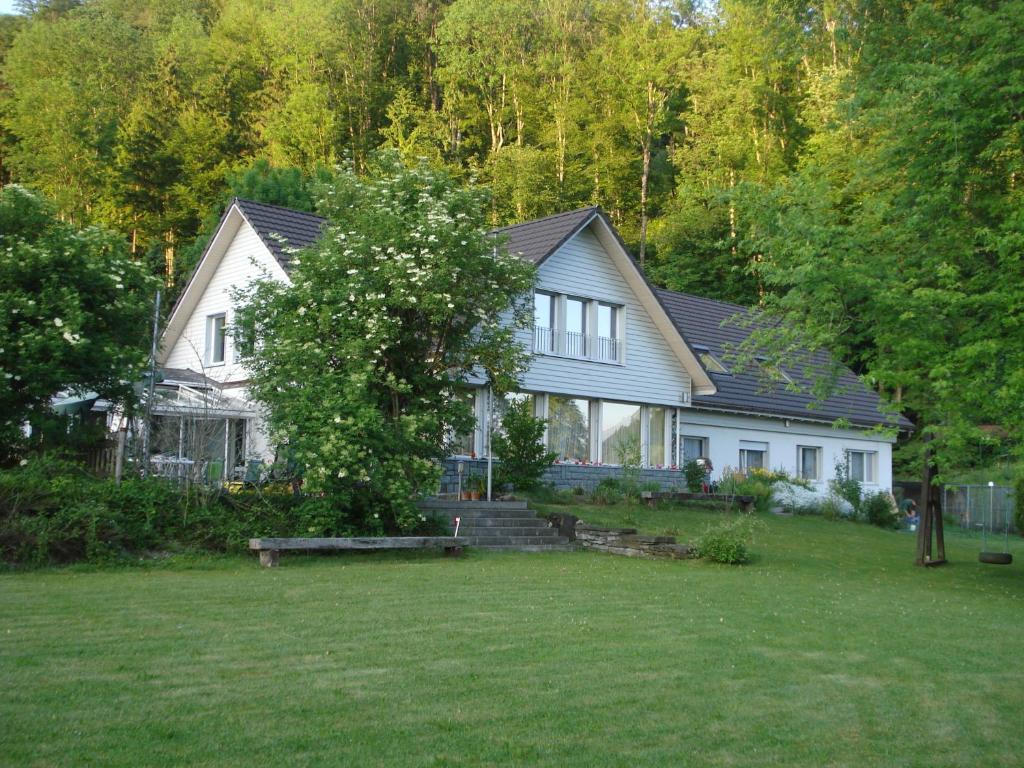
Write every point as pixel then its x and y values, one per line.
pixel 620 433
pixel 464 444
pixel 543 322
pixel 577 327
pixel 862 465
pixel 659 424
pixel 694 448
pixel 753 455
pixel 216 338
pixel 568 432
pixel 808 462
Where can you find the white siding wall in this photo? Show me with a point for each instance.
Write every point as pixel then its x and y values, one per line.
pixel 650 373
pixel 724 433
pixel 235 270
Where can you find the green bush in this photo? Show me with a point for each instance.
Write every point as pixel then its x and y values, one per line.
pixel 520 449
pixel 608 491
pixel 878 510
pixel 845 486
pixel 728 542
pixel 695 475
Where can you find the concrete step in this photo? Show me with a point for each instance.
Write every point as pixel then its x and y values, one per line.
pixel 435 504
pixel 513 541
pixel 476 514
pixel 567 547
pixel 490 533
pixel 504 522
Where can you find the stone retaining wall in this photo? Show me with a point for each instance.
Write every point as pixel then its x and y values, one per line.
pixel 626 541
pixel 562 476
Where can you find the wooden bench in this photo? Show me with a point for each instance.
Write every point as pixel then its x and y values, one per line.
pixel 270 549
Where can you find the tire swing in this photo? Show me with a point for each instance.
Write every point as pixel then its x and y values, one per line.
pixel 990 557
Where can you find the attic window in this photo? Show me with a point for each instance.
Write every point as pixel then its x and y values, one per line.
pixel 773 371
pixel 709 361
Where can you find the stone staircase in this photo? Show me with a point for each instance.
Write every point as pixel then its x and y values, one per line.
pixel 509 525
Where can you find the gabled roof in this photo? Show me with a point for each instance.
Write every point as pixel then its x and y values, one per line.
pixel 712 325
pixel 535 240
pixel 281 229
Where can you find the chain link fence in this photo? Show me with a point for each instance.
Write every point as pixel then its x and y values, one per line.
pixel 978 507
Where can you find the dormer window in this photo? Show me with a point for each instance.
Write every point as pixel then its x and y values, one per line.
pixel 572 326
pixel 709 361
pixel 773 371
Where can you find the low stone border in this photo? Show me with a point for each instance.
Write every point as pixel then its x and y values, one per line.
pixel 651 498
pixel 627 542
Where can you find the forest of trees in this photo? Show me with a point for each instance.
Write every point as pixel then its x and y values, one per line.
pixel 852 165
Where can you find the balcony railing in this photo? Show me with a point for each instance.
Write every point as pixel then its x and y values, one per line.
pixel 551 341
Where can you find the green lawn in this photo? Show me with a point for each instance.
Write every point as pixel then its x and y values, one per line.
pixel 829 649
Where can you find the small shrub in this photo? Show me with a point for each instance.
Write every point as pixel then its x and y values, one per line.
pixel 520 449
pixel 652 486
pixel 728 542
pixel 835 507
pixel 693 472
pixel 878 509
pixel 796 499
pixel 608 491
pixel 845 486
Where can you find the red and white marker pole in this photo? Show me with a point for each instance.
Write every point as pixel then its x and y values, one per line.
pixel 457 521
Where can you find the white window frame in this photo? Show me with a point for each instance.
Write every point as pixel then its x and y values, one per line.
pixel 589 347
pixel 870 465
pixel 211 323
pixel 817 461
pixel 754 447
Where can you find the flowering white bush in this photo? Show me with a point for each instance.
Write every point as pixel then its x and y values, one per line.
pixel 360 361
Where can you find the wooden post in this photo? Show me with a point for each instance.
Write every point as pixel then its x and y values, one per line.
pixel 924 528
pixel 119 461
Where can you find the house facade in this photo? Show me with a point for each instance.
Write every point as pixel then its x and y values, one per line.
pixel 621 371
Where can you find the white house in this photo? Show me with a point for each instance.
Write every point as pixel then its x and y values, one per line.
pixel 618 364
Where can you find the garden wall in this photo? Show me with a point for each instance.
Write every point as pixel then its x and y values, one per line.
pixel 562 476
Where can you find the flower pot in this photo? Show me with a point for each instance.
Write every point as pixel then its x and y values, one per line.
pixel 466 496
pixel 474 495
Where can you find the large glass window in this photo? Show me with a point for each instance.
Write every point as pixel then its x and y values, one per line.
pixel 543 322
pixel 575 327
pixel 607 332
pixel 808 462
pixel 502 404
pixel 657 420
pixel 753 455
pixel 620 433
pixel 464 444
pixel 862 465
pixel 569 428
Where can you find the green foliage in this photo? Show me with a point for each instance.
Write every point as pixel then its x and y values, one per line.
pixel 404 249
pixel 51 511
pixel 695 476
pixel 846 487
pixel 729 542
pixel 519 446
pixel 608 491
pixel 73 313
pixel 878 509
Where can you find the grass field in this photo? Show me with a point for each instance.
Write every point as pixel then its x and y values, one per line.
pixel 830 649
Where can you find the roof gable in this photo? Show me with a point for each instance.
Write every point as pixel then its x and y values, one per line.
pixel 535 240
pixel 282 230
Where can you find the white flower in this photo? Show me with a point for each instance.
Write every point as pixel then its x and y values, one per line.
pixel 302 310
pixel 58 322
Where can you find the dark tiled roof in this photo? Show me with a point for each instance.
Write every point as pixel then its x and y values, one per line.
pixel 709 324
pixel 282 229
pixel 536 240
